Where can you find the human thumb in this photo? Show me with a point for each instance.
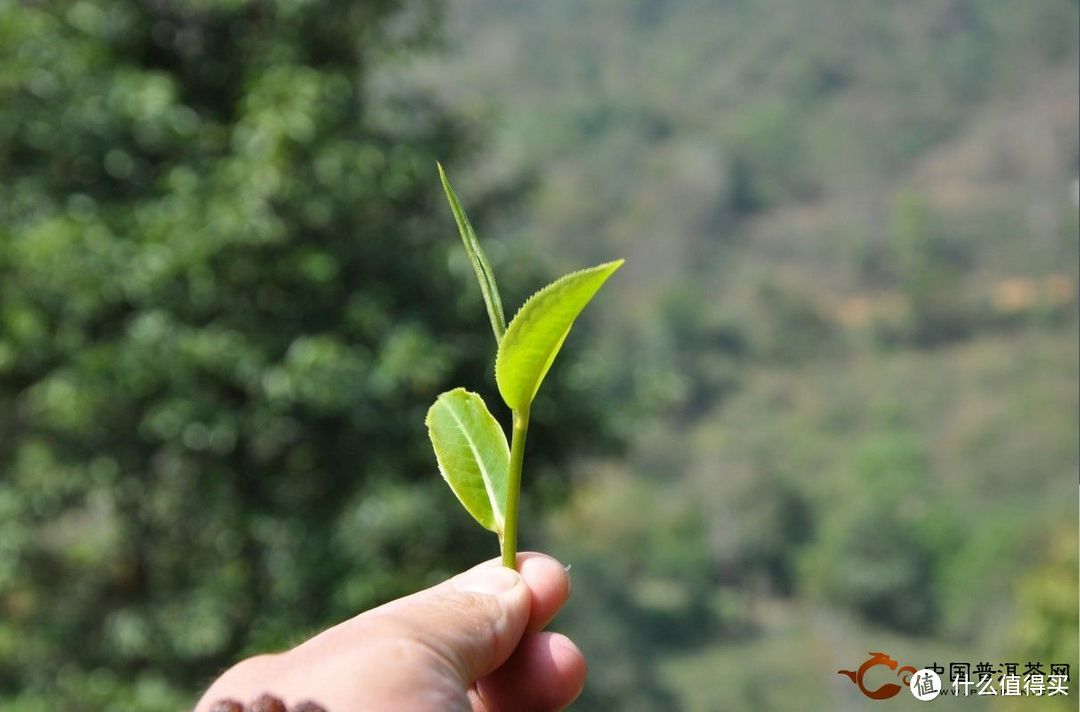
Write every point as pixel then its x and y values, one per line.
pixel 421 652
pixel 470 624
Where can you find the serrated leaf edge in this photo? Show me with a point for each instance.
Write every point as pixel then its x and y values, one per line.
pixel 614 265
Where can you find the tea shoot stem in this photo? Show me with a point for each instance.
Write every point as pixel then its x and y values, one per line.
pixel 513 487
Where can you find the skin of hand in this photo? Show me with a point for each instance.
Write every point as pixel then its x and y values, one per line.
pixel 472 643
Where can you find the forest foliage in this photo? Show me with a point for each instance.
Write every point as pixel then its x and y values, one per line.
pixel 229 289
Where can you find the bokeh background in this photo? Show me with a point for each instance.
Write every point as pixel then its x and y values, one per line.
pixel 828 407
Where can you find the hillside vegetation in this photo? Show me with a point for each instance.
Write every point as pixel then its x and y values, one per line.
pixel 844 349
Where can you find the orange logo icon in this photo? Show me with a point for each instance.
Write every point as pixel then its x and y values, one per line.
pixel 889 689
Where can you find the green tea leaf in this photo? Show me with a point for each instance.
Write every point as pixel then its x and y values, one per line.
pixel 537 331
pixel 484 274
pixel 473 456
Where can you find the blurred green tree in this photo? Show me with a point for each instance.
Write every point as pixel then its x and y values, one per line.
pixel 928 267
pixel 228 290
pixel 879 554
pixel 1046 623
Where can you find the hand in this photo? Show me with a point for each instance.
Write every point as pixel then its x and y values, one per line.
pixel 470 643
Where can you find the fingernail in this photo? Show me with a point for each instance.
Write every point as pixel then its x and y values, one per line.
pixel 492 581
pixel 561 642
